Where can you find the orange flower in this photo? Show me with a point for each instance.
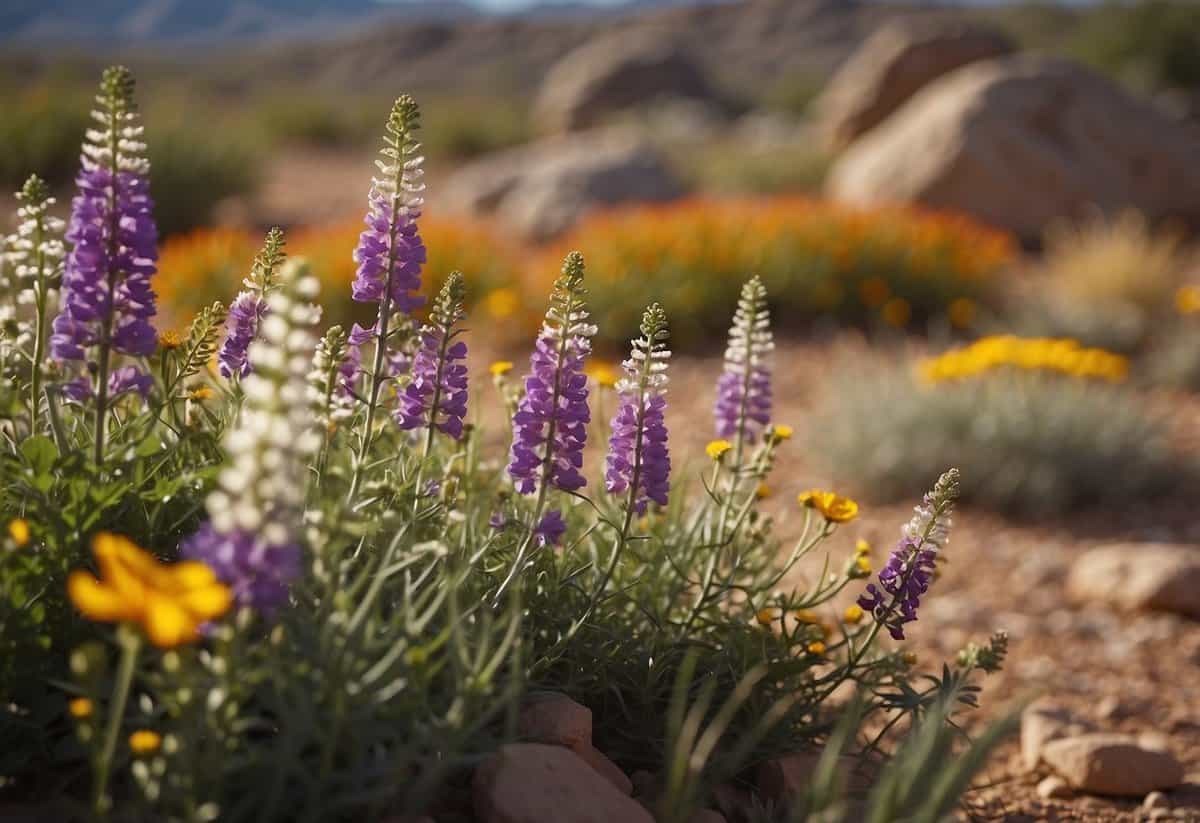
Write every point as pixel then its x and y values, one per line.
pixel 169 602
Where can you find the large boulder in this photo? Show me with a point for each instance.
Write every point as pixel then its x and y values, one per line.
pixel 1023 141
pixel 542 189
pixel 613 73
pixel 891 66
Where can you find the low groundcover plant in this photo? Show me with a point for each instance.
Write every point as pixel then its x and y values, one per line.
pixel 317 596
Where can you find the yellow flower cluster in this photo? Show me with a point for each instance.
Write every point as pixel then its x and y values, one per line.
pixel 169 602
pixel 1029 354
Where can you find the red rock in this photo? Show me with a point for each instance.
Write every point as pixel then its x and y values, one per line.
pixel 1112 764
pixel 555 718
pixel 537 783
pixel 607 769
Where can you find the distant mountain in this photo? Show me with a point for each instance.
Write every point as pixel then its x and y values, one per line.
pixel 130 22
pixel 134 22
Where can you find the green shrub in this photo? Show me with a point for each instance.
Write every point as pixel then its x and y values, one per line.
pixel 1153 43
pixel 1029 441
pixel 193 172
pixel 40 133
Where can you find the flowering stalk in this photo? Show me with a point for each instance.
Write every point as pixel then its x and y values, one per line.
pixel 910 568
pixel 639 462
pixel 744 389
pixel 37 258
pixel 107 299
pixel 252 537
pixel 436 395
pixel 248 308
pixel 550 425
pixel 390 251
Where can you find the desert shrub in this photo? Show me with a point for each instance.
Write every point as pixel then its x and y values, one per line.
pixel 304 118
pixel 820 262
pixel 1154 43
pixel 726 168
pixel 466 128
pixel 193 172
pixel 40 133
pixel 1117 263
pixel 344 596
pixel 1041 426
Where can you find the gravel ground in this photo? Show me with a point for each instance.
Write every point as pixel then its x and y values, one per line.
pixel 1135 673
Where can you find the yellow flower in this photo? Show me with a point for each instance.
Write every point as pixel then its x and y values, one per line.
pixel 18 530
pixel 816 647
pixel 500 368
pixel 781 431
pixel 862 547
pixel 1187 300
pixel 805 616
pixel 80 708
pixel 853 614
pixel 766 617
pixel 169 602
pixel 169 339
pixel 144 741
pixel 501 303
pixel 910 658
pixel 863 564
pixel 603 374
pixel 762 491
pixel 716 449
pixel 833 507
pixel 200 393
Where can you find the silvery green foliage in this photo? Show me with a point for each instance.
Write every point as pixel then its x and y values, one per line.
pixel 1026 442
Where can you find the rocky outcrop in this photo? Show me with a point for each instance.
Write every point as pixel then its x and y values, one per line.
pixel 1023 141
pixel 542 189
pixel 615 73
pixel 891 66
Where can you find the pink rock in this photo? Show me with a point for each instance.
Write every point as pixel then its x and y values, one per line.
pixel 607 769
pixel 537 783
pixel 1112 764
pixel 555 718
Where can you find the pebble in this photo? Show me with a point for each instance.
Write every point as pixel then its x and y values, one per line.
pixel 1112 764
pixel 1054 788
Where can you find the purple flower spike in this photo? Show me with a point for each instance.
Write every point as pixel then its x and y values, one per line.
pixel 638 456
pixel 257 572
pixel 743 404
pixel 390 251
pixel 550 425
pixel 436 395
pixel 249 307
pixel 550 529
pixel 245 313
pixel 106 296
pixel 910 568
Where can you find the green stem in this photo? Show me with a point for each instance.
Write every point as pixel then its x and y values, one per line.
pixel 131 643
pixel 105 353
pixel 39 329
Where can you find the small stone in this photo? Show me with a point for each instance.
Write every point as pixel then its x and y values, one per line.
pixel 1054 788
pixel 1043 721
pixel 536 783
pixel 551 717
pixel 1109 707
pixel 1156 800
pixel 607 769
pixel 731 799
pixel 1112 764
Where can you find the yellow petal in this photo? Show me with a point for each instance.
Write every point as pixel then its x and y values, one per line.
pixel 192 574
pixel 167 623
pixel 97 601
pixel 208 602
